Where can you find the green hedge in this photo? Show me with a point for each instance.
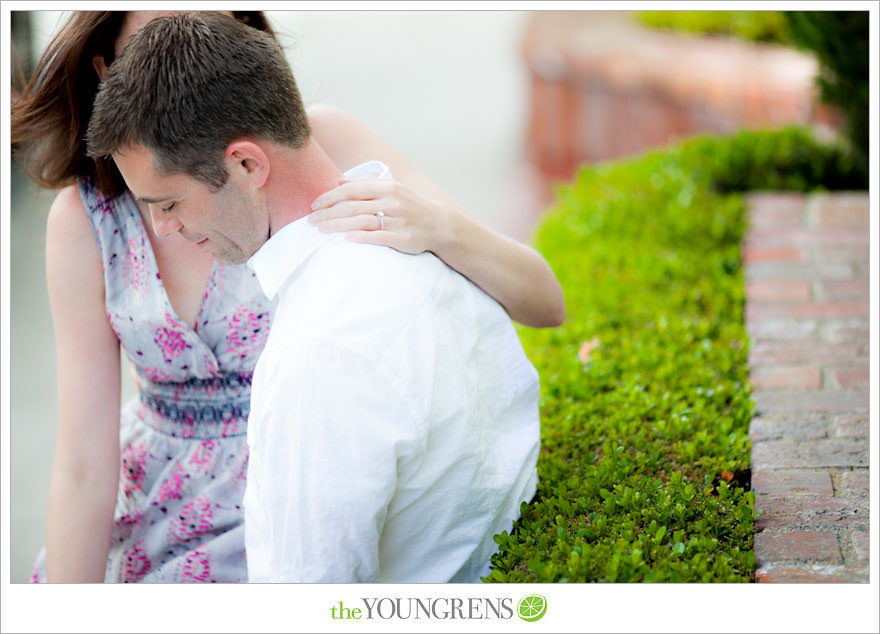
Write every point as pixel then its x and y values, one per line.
pixel 757 26
pixel 645 452
pixel 840 42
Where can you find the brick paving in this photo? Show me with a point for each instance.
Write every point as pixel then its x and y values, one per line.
pixel 807 313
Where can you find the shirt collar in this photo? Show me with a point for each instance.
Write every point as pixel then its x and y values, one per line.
pixel 285 252
pixel 282 254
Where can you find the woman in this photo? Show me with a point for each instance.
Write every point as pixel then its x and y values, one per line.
pixel 192 328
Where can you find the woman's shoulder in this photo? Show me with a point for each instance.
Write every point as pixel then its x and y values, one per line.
pixel 67 225
pixel 324 118
pixel 347 141
pixel 68 209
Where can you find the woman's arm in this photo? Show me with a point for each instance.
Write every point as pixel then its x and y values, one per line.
pixel 85 472
pixel 419 216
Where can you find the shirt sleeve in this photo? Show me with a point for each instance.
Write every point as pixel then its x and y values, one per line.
pixel 331 435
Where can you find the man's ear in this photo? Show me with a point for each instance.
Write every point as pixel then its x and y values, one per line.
pixel 100 67
pixel 249 161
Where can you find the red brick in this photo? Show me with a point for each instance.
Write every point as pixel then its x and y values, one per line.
pixel 811 512
pixel 841 290
pixel 851 425
pixel 791 270
pixel 773 214
pixel 827 236
pixel 771 238
pixel 781 329
pixel 760 202
pixel 854 483
pixel 804 351
pixel 852 377
pixel 788 425
pixel 841 210
pixel 801 237
pixel 834 253
pixel 769 376
pixel 800 545
pixel 812 400
pixel 860 542
pixel 757 254
pixel 826 452
pixel 848 332
pixel 778 291
pixel 807 310
pixel 793 483
pixel 836 574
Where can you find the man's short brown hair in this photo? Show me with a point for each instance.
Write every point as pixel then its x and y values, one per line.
pixel 187 85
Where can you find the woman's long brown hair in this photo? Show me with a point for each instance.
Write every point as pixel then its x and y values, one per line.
pixel 50 112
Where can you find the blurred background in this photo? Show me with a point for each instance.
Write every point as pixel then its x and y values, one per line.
pixel 494 106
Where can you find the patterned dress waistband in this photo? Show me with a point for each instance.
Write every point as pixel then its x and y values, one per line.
pixel 207 410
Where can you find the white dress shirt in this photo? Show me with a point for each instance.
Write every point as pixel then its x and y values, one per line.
pixel 394 424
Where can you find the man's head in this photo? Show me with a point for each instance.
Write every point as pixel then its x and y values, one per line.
pixel 189 111
pixel 185 86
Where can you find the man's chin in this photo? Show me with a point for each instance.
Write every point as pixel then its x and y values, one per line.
pixel 229 258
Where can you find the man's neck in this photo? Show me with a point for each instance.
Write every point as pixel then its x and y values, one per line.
pixel 297 178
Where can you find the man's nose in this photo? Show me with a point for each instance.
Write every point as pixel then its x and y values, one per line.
pixel 164 223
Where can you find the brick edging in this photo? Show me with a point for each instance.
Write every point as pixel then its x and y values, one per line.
pixel 807 314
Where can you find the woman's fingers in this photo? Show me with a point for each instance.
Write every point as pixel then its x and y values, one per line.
pixel 366 189
pixel 381 238
pixel 408 221
pixel 349 208
pixel 361 222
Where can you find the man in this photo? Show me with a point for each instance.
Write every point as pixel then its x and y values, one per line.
pixel 394 419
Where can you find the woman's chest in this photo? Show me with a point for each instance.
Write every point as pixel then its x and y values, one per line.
pixel 184 270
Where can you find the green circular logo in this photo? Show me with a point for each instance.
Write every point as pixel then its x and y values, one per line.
pixel 532 607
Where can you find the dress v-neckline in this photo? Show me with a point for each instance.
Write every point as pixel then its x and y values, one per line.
pixel 192 328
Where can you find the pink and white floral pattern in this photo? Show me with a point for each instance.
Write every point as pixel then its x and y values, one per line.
pixel 134 268
pixel 137 563
pixel 203 457
pixel 196 518
pixel 248 330
pixel 183 442
pixel 172 486
pixel 171 340
pixel 196 567
pixel 134 467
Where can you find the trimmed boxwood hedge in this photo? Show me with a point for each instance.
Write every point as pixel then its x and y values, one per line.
pixel 755 26
pixel 645 452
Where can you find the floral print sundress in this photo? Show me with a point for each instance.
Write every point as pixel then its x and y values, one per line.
pixel 179 514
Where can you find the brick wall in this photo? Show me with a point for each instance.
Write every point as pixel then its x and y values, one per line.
pixel 602 87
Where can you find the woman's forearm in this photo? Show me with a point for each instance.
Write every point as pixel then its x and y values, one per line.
pixel 513 273
pixel 80 523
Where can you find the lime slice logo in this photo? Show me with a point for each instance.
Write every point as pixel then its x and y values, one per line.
pixel 532 607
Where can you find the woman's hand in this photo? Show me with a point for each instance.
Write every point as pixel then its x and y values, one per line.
pixel 515 275
pixel 409 222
